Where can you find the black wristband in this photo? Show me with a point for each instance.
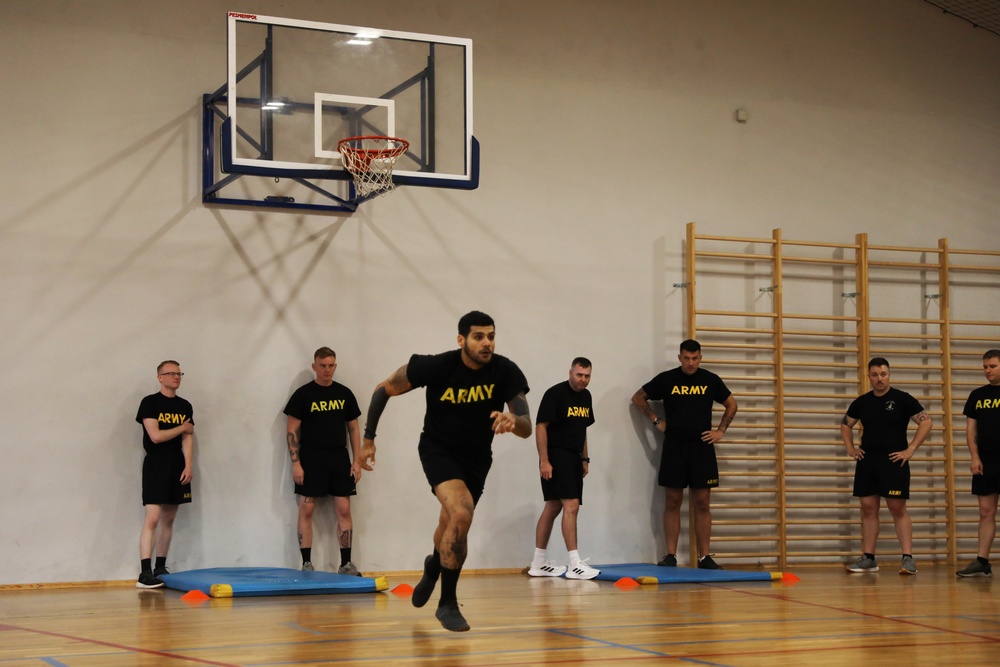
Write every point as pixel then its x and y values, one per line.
pixel 375 408
pixel 585 459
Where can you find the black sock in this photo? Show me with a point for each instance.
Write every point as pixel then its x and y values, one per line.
pixel 872 556
pixel 449 585
pixel 306 554
pixel 907 555
pixel 983 561
pixel 161 562
pixel 345 556
pixel 145 565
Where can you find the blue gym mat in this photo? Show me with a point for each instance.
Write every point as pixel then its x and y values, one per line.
pixel 647 573
pixel 228 582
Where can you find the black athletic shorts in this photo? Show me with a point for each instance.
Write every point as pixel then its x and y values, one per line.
pixel 161 475
pixel 687 463
pixel 989 482
pixel 567 476
pixel 327 473
pixel 877 475
pixel 443 463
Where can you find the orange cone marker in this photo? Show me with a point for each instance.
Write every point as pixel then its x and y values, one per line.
pixel 194 597
pixel 626 583
pixel 403 590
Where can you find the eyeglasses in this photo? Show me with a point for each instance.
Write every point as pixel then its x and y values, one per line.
pixel 173 374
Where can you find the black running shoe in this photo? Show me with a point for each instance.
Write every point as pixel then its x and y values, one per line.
pixel 669 560
pixel 422 591
pixel 707 563
pixel 148 580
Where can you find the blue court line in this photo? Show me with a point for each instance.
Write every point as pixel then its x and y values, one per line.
pixel 295 626
pixel 858 613
pixel 405 636
pixel 979 619
pixel 636 648
pixel 68 656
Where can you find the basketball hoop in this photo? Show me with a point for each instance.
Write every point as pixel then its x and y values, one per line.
pixel 370 160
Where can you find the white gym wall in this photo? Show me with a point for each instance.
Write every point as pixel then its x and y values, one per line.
pixel 605 127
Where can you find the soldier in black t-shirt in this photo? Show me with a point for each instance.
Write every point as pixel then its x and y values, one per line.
pixel 168 437
pixel 982 435
pixel 883 468
pixel 467 390
pixel 320 416
pixel 561 425
pixel 688 393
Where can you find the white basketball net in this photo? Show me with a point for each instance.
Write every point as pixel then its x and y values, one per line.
pixel 370 161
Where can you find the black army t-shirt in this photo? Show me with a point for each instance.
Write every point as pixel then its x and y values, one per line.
pixel 687 401
pixel 567 414
pixel 460 399
pixel 324 413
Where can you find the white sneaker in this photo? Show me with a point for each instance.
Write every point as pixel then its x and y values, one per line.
pixel 582 571
pixel 546 569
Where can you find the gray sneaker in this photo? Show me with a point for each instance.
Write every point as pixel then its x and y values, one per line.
pixel 308 566
pixel 976 569
pixel 865 564
pixel 349 568
pixel 908 566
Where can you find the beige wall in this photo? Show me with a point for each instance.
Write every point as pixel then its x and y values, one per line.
pixel 880 117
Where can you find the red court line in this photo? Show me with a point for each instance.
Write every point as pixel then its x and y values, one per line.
pixel 826 649
pixel 904 621
pixel 121 647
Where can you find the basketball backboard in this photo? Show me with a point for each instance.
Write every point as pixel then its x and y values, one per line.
pixel 296 88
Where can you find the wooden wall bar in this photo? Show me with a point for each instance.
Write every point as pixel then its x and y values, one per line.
pixel 790 325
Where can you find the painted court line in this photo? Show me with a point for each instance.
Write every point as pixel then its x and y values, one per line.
pixel 121 647
pixel 863 613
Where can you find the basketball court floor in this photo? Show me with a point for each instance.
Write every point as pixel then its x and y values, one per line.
pixel 828 618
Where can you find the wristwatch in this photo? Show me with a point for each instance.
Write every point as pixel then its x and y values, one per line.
pixel 585 459
pixel 656 421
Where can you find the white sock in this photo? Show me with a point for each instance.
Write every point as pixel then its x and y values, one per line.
pixel 539 557
pixel 574 558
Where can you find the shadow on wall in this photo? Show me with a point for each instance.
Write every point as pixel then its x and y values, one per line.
pixel 91 242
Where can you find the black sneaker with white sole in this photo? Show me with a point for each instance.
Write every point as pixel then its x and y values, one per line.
pixel 149 580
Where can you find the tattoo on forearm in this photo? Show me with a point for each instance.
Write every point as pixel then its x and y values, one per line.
pixel 398 380
pixel 293 447
pixel 520 405
pixel 344 536
pixel 726 421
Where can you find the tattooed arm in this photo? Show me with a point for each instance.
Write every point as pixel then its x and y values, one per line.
pixel 847 436
pixel 727 418
pixel 292 438
pixel 517 421
pixel 924 425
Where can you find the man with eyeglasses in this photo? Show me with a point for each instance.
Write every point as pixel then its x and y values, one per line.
pixel 168 437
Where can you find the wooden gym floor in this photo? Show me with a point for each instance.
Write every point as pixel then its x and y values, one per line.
pixel 828 618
